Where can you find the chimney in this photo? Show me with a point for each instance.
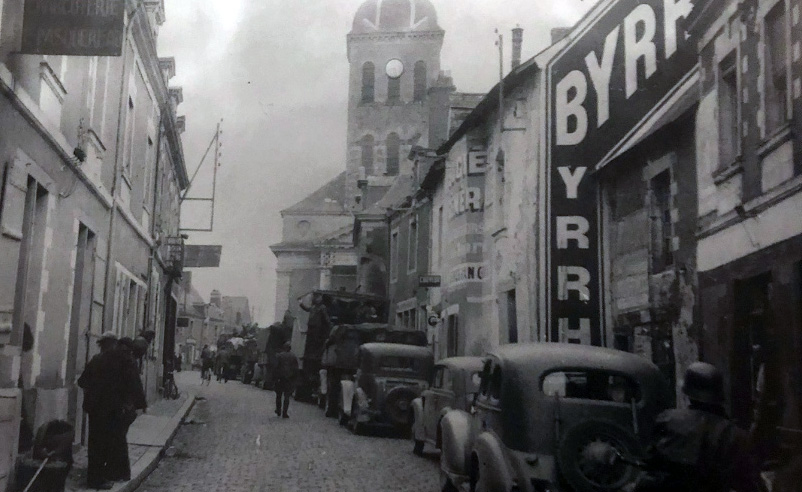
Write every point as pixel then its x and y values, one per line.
pixel 558 33
pixel 517 42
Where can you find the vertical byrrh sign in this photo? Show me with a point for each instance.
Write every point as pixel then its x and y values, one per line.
pixel 73 27
pixel 624 60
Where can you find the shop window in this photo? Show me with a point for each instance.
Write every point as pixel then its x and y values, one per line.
pixel 393 154
pixel 661 239
pixel 776 77
pixel 728 112
pixel 420 81
pixel 750 343
pixel 368 82
pixel 367 153
pixel 394 90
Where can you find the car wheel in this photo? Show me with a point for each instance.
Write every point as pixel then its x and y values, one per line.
pixel 579 465
pixel 445 483
pixel 418 448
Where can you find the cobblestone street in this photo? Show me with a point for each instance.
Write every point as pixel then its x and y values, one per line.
pixel 234 442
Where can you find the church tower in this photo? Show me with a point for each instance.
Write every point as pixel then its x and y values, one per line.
pixel 394 52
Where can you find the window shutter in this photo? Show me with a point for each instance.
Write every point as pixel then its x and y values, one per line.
pixel 14 189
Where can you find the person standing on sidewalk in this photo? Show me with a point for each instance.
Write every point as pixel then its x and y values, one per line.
pixel 118 464
pixel 102 401
pixel 287 373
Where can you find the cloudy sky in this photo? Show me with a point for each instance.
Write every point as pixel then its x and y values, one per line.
pixel 276 72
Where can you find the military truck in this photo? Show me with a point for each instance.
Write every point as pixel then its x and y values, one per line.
pixel 343 308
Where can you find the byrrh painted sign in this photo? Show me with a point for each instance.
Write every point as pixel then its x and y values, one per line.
pixel 626 59
pixel 73 27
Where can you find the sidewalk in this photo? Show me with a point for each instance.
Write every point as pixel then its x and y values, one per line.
pixel 148 437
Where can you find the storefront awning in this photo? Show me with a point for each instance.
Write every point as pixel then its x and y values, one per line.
pixel 675 105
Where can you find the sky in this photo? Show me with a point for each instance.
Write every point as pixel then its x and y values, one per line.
pixel 276 73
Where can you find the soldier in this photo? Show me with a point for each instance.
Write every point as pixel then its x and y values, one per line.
pixel 700 449
pixel 286 375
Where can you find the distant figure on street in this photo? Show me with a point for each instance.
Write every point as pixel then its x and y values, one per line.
pixel 221 364
pixel 110 383
pixel 178 362
pixel 207 364
pixel 287 369
pixel 700 449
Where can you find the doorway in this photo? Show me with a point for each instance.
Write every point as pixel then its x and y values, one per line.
pixel 752 318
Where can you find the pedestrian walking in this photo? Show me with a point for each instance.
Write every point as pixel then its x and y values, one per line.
pixel 118 465
pixel 287 369
pixel 699 449
pixel 106 390
pixel 207 364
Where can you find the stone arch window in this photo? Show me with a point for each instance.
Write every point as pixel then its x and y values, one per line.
pixel 393 154
pixel 420 80
pixel 394 90
pixel 368 82
pixel 367 153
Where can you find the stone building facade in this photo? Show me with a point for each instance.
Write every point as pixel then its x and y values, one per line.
pixel 92 169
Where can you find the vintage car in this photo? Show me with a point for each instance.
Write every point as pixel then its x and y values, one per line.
pixel 389 377
pixel 454 386
pixel 540 410
pixel 339 361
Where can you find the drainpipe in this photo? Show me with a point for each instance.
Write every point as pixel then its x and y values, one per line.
pixel 116 181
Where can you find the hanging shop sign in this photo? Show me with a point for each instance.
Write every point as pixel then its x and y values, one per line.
pixel 608 79
pixel 73 27
pixel 429 281
pixel 202 256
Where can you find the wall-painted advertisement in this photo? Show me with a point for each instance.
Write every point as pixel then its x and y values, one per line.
pixel 609 78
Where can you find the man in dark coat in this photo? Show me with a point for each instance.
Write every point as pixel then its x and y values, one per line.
pixel 118 466
pixel 286 375
pixel 105 393
pixel 699 449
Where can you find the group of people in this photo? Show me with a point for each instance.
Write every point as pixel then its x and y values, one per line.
pixel 216 363
pixel 113 398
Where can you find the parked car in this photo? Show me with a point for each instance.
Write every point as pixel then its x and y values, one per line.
pixel 389 377
pixel 454 386
pixel 539 409
pixel 339 360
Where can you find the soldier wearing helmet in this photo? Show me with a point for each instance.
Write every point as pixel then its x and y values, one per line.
pixel 699 448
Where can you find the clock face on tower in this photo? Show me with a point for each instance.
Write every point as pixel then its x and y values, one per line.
pixel 394 68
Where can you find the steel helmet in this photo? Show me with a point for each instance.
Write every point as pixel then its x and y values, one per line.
pixel 704 383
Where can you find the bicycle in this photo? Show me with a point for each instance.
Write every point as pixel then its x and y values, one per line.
pixel 170 390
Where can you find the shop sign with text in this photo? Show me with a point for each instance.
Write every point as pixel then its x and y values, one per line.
pixel 73 27
pixel 609 78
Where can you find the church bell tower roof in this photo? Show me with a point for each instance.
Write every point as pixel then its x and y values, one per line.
pixel 376 16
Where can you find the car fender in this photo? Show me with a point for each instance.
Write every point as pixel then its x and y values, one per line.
pixel 346 395
pixel 494 470
pixel 418 432
pixel 457 442
pixel 443 413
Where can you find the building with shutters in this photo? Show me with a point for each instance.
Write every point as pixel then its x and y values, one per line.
pixel 92 167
